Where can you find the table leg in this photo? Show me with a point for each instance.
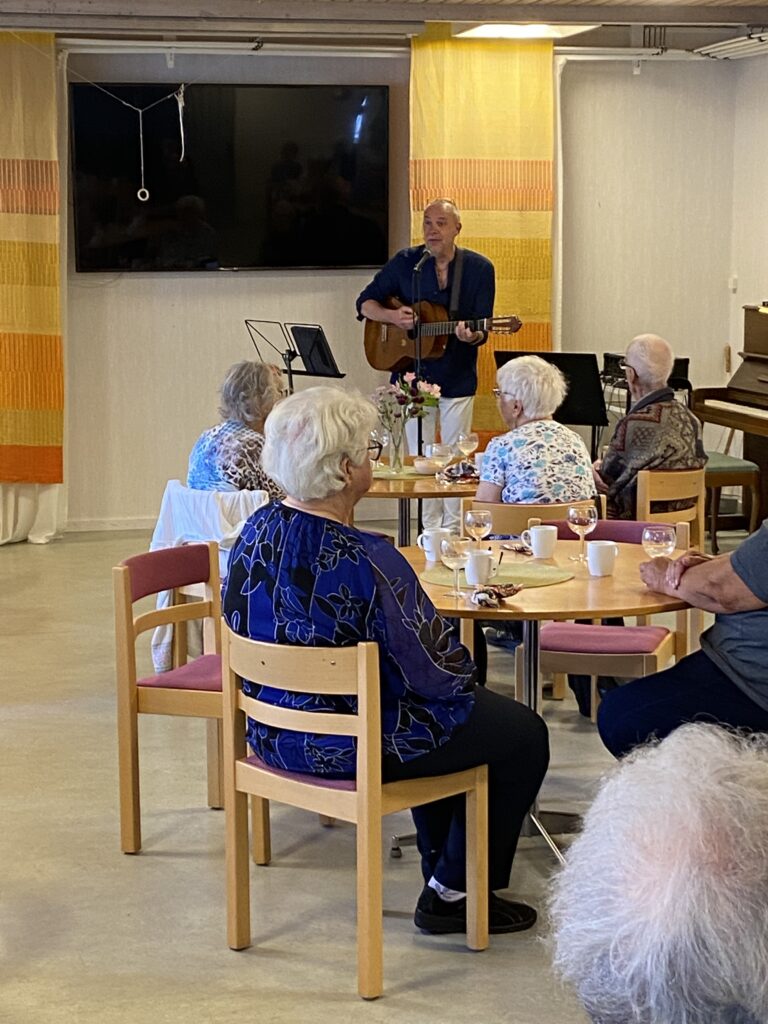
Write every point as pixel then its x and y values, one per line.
pixel 403 522
pixel 531 691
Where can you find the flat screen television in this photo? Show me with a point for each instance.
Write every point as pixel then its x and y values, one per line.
pixel 240 177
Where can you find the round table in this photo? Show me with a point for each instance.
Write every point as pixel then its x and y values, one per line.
pixel 412 486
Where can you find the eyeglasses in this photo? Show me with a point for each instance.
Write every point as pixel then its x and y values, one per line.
pixel 498 393
pixel 624 365
pixel 377 448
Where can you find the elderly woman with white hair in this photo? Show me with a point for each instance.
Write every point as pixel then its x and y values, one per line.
pixel 300 574
pixel 227 457
pixel 660 911
pixel 538 461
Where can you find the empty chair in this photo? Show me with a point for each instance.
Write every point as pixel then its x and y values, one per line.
pixel 191 689
pixel 352 671
pixel 672 486
pixel 728 471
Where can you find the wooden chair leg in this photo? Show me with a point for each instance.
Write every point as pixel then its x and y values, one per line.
pixel 214 739
pixel 370 979
pixel 238 874
pixel 559 686
pixel 128 772
pixel 477 863
pixel 261 833
pixel 754 506
pixel 594 698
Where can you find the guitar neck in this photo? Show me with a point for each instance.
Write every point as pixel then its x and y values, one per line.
pixel 449 326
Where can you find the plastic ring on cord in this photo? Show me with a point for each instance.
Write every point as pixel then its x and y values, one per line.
pixel 142 195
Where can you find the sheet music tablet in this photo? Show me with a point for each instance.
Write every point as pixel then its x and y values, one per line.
pixel 312 345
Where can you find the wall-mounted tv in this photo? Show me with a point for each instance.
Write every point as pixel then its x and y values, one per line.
pixel 239 176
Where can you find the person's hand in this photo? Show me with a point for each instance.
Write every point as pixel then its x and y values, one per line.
pixel 466 334
pixel 654 574
pixel 680 566
pixel 403 317
pixel 600 484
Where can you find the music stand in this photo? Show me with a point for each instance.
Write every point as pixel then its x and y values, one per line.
pixel 584 405
pixel 307 341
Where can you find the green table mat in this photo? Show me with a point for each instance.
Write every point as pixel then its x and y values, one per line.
pixel 530 575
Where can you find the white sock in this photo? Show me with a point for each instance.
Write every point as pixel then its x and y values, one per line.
pixel 449 895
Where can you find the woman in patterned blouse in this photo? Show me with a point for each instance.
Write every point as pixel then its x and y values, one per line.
pixel 300 574
pixel 539 461
pixel 228 456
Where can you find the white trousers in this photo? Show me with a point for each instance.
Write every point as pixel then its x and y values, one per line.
pixel 455 419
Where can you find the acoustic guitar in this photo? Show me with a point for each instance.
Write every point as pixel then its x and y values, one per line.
pixel 390 348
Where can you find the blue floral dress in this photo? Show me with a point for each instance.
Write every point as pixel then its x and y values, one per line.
pixel 297 578
pixel 542 462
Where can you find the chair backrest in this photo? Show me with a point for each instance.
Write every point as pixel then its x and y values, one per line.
pixel 512 519
pixel 623 531
pixel 155 571
pixel 340 671
pixel 673 485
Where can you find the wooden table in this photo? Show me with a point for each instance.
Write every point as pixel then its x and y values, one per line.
pixel 410 487
pixel 583 597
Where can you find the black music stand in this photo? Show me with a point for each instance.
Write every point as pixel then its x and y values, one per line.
pixel 584 405
pixel 306 341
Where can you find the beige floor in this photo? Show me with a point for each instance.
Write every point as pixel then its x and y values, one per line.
pixel 90 936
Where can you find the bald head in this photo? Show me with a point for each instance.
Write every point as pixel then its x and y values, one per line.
pixel 651 358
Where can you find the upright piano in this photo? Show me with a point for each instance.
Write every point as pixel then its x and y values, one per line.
pixel 743 404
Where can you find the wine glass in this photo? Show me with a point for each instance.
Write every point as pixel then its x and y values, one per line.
pixel 477 523
pixel 379 436
pixel 659 541
pixel 440 455
pixel 582 519
pixel 467 443
pixel 454 552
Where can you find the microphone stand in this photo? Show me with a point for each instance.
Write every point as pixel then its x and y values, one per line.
pixel 416 292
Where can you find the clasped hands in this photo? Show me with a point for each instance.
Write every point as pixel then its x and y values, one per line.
pixel 664 574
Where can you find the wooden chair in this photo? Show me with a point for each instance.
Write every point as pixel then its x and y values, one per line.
pixel 512 519
pixel 191 689
pixel 596 650
pixel 664 485
pixel 363 801
pixel 728 471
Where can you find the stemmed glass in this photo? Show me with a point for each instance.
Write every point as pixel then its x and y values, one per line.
pixel 454 552
pixel 440 455
pixel 659 541
pixel 467 443
pixel 582 519
pixel 379 436
pixel 477 523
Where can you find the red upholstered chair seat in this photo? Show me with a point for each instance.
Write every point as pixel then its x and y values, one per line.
pixel 587 639
pixel 201 674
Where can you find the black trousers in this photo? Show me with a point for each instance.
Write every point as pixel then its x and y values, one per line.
pixel 513 741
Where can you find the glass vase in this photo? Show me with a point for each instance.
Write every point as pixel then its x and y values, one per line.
pixel 397 448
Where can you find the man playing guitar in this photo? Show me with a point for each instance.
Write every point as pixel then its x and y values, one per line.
pixel 456 370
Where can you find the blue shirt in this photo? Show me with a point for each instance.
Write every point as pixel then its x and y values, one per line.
pixel 456 370
pixel 738 643
pixel 300 579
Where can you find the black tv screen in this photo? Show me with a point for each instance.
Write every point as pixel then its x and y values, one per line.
pixel 241 176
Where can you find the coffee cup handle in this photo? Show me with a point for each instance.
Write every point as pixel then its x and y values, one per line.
pixel 525 537
pixel 419 541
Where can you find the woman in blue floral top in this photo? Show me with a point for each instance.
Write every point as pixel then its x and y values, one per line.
pixel 301 575
pixel 227 457
pixel 539 461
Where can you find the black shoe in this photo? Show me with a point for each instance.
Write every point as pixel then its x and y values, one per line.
pixel 439 917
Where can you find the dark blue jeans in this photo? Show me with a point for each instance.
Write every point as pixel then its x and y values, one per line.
pixel 513 742
pixel 694 690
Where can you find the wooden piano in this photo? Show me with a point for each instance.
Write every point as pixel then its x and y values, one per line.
pixel 743 404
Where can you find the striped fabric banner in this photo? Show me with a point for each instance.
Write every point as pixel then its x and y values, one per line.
pixel 482 133
pixel 31 360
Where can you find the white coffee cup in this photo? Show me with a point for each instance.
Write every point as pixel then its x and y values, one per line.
pixel 601 557
pixel 541 540
pixel 480 567
pixel 430 541
pixel 479 461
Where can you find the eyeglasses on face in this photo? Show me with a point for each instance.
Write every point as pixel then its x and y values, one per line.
pixel 624 365
pixel 498 393
pixel 376 447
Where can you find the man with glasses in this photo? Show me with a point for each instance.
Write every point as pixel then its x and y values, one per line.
pixel 657 432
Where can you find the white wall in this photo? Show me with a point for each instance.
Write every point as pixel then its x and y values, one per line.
pixel 647 179
pixel 146 352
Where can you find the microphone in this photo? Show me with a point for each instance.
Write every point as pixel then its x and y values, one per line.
pixel 426 255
